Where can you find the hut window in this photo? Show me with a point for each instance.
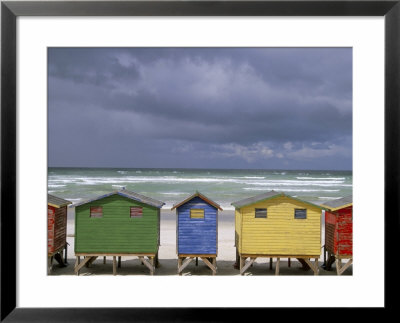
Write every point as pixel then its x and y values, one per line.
pixel 197 213
pixel 136 212
pixel 261 213
pixel 300 214
pixel 96 212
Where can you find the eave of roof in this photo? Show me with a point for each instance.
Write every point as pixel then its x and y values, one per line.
pixel 338 204
pixel 56 201
pixel 269 196
pixel 128 194
pixel 197 194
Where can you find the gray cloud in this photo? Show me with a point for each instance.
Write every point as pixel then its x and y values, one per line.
pixel 201 107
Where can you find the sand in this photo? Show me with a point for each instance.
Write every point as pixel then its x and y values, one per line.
pixel 168 258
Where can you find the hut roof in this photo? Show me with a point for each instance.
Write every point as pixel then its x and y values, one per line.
pixel 340 203
pixel 129 194
pixel 197 194
pixel 57 201
pixel 267 196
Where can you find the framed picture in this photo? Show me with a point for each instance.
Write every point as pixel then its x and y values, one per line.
pixel 28 293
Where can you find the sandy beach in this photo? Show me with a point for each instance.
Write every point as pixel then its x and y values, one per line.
pixel 168 258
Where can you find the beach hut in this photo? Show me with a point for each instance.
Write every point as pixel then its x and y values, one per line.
pixel 276 225
pixel 56 230
pixel 197 231
pixel 339 233
pixel 119 223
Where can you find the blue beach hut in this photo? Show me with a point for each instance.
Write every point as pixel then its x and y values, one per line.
pixel 197 231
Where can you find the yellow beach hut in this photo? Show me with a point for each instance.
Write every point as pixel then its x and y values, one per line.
pixel 276 225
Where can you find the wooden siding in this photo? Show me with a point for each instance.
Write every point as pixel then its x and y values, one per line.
pixel 56 228
pixel 238 226
pixel 339 231
pixel 280 233
pixel 197 236
pixel 116 231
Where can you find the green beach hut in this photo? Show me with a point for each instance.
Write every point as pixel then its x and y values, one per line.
pixel 120 223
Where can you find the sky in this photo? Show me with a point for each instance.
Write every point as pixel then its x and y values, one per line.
pixel 234 108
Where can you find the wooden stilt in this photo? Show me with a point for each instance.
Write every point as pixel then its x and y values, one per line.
pixel 77 262
pixel 270 263
pixel 80 265
pixel 66 254
pixel 236 264
pixel 214 262
pixel 314 266
pixel 197 261
pixel 278 260
pixel 288 262
pixel 157 262
pixel 242 261
pixel 338 265
pixel 152 266
pixel 347 265
pixel 246 266
pixel 179 265
pixel 184 264
pixel 114 265
pixel 119 262
pixel 209 264
pixel 324 257
pixel 104 259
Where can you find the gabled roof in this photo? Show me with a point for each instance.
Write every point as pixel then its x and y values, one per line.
pixel 268 196
pixel 197 194
pixel 57 201
pixel 338 204
pixel 129 194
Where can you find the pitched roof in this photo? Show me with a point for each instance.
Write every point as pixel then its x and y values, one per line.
pixel 57 201
pixel 197 194
pixel 340 203
pixel 267 196
pixel 129 194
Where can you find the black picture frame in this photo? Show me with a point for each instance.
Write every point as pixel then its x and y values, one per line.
pixel 11 10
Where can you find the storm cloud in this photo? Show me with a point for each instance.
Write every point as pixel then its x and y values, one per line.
pixel 275 108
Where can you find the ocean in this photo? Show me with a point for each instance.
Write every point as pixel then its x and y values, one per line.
pixel 223 186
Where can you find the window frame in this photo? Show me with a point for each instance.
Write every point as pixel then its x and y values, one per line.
pixel 135 207
pixel 197 218
pixel 261 217
pixel 297 218
pixel 91 212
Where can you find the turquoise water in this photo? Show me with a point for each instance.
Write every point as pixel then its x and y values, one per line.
pixel 222 186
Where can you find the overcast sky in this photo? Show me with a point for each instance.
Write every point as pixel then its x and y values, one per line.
pixel 264 108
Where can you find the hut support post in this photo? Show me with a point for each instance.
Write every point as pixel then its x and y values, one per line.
pixel 197 261
pixel 212 265
pixel 270 263
pixel 288 262
pixel 246 266
pixel 182 266
pixel 119 262
pixel 157 262
pixel 314 266
pixel 278 260
pixel 78 260
pixel 147 263
pixel 79 265
pixel 104 259
pixel 114 265
pixel 324 257
pixel 339 267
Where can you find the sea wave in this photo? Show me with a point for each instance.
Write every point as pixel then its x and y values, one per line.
pixel 286 189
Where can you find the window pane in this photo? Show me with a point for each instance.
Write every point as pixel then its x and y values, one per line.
pixel 136 212
pixel 197 213
pixel 96 212
pixel 261 213
pixel 300 213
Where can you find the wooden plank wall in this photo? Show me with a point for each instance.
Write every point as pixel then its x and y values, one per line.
pixel 280 233
pixel 197 236
pixel 60 228
pixel 345 231
pixel 116 231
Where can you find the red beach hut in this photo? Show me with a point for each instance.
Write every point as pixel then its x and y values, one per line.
pixel 339 233
pixel 56 229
